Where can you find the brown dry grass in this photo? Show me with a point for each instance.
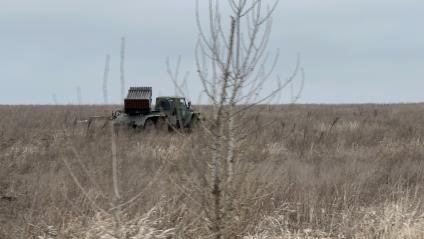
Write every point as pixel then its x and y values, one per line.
pixel 352 171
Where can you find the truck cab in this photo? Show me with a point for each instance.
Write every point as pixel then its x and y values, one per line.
pixel 176 109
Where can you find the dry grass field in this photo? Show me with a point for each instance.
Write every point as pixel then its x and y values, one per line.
pixel 305 171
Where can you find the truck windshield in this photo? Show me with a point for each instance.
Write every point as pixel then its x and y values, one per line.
pixel 164 105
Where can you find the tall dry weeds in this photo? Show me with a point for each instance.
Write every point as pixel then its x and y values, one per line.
pixel 306 174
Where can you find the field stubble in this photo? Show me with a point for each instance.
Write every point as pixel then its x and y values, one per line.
pixel 352 171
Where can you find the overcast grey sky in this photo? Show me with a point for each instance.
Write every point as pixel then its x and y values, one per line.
pixel 353 51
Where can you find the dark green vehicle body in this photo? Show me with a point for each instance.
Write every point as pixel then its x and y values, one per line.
pixel 171 111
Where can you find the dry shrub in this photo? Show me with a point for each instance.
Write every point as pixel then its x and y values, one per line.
pixel 102 226
pixel 396 220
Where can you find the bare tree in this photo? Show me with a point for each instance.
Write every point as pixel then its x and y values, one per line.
pixel 54 96
pixel 105 79
pixel 114 205
pixel 233 66
pixel 79 95
pixel 122 69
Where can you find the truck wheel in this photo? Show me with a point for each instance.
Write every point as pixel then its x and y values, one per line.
pixel 195 123
pixel 149 125
pixel 161 124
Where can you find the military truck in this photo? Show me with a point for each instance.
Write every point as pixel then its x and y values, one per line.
pixel 171 112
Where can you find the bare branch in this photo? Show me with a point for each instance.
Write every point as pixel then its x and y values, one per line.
pixel 105 79
pixel 77 182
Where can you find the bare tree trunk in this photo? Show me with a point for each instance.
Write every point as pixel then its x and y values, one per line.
pixel 122 69
pixel 105 80
pixel 79 96
pixel 220 141
pixel 54 96
pixel 117 197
